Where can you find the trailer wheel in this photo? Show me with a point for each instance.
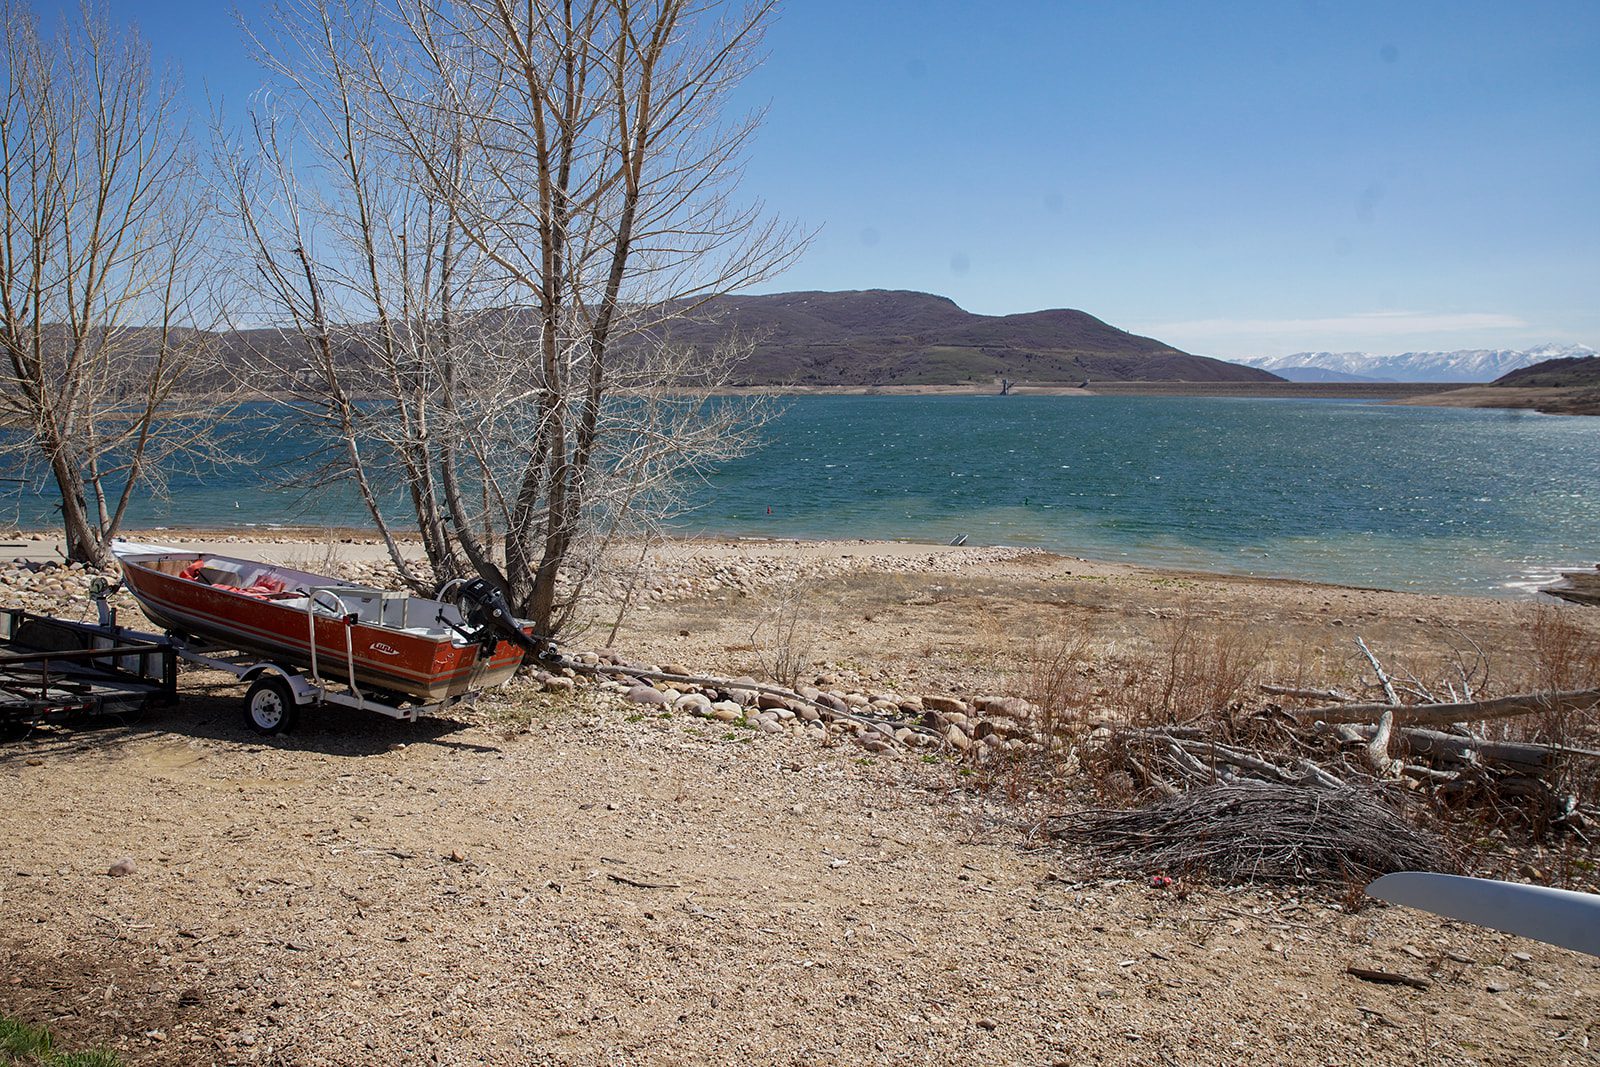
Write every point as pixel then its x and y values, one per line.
pixel 269 706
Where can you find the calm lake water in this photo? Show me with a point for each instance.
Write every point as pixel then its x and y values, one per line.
pixel 1429 499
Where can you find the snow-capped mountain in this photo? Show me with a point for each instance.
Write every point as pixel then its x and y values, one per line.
pixel 1468 365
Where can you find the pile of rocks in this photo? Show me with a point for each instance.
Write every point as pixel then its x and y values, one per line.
pixel 881 722
pixel 52 588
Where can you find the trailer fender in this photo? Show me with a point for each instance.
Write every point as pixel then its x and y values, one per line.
pixel 297 683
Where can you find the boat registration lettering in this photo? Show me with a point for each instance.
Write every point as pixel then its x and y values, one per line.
pixel 383 649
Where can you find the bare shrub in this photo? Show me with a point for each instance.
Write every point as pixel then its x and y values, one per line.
pixel 1196 672
pixel 1565 655
pixel 785 636
pixel 1053 677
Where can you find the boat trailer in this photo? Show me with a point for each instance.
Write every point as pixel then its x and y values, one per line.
pixel 54 669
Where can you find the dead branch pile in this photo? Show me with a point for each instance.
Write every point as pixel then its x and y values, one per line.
pixel 1454 750
pixel 1257 832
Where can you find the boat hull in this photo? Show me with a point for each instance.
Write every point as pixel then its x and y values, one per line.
pixel 425 668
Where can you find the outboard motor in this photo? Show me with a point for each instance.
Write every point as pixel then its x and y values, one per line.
pixel 487 613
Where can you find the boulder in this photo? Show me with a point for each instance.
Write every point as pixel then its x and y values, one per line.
pixel 726 712
pixel 771 702
pixel 646 694
pixel 957 739
pixel 1007 707
pixel 693 703
pixel 948 705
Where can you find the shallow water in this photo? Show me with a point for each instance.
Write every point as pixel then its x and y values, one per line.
pixel 1431 499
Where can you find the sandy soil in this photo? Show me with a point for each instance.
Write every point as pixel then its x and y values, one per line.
pixel 561 879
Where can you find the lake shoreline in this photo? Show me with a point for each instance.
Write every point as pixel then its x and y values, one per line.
pixel 1375 391
pixel 304 544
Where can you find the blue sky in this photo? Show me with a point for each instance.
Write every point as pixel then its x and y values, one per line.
pixel 1235 178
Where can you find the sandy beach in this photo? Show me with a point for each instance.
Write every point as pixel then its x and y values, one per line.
pixel 557 877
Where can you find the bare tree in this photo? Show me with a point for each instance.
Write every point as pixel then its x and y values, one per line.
pixel 98 269
pixel 512 204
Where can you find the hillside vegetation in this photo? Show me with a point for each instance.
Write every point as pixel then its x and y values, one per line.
pixel 887 337
pixel 1555 373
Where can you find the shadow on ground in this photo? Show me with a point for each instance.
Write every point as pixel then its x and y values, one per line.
pixel 214 710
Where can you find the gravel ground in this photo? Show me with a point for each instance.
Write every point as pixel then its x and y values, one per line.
pixel 566 880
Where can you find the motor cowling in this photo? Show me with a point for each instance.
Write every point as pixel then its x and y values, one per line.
pixel 485 610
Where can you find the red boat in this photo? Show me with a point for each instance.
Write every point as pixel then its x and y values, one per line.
pixel 390 646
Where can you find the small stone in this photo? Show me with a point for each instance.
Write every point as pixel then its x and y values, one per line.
pixel 1522 957
pixel 122 868
pixel 956 738
pixel 1497 987
pixel 948 705
pixel 988 1024
pixel 771 702
pixel 726 712
pixel 457 856
pixel 559 685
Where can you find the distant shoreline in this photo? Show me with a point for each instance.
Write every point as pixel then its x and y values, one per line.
pixel 1575 400
pixel 1551 400
pixel 1281 390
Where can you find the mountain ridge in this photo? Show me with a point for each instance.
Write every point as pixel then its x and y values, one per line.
pixel 1460 365
pixel 889 337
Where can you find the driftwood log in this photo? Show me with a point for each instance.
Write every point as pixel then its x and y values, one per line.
pixel 1455 748
pixel 1444 714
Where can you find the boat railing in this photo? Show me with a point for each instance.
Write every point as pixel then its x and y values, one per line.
pixel 347 623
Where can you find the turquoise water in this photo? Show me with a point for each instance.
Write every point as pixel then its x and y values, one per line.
pixel 1430 499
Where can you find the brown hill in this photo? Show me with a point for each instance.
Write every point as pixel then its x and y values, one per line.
pixel 890 337
pixel 1553 373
